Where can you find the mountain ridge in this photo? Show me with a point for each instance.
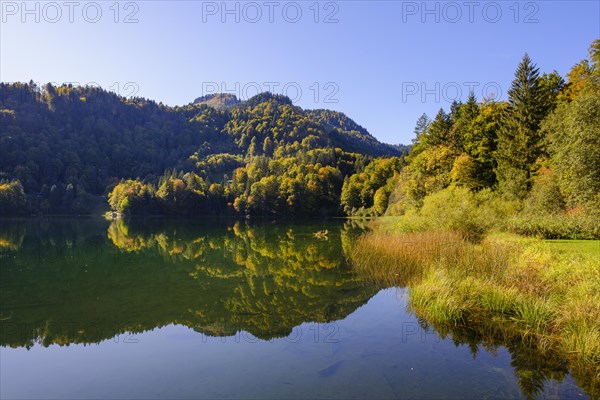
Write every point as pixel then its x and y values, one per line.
pixel 63 142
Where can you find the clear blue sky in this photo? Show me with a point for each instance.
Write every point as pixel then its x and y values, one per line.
pixel 374 61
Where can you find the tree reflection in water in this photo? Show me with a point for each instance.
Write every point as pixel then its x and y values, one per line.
pixel 86 281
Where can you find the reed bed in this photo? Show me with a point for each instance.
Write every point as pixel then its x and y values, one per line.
pixel 524 286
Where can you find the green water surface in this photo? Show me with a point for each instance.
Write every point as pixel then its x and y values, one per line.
pixel 230 309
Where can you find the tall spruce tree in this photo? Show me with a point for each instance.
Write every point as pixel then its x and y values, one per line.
pixel 520 141
pixel 421 127
pixel 438 131
pixel 462 121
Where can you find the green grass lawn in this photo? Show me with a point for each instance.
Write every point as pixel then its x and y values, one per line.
pixel 588 247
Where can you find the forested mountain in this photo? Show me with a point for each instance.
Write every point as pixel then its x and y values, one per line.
pixel 351 136
pixel 64 144
pixel 534 155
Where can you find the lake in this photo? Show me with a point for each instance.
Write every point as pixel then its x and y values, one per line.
pixel 231 309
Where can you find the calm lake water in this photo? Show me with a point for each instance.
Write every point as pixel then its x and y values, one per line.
pixel 226 309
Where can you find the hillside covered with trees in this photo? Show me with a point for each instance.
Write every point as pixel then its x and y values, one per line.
pixel 61 148
pixel 530 163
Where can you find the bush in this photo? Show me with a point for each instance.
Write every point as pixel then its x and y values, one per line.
pixel 471 214
pixel 545 197
pixel 555 226
pixel 455 208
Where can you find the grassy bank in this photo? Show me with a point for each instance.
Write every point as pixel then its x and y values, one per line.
pixel 547 292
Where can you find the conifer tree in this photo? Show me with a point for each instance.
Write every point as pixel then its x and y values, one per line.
pixel 437 131
pixel 520 139
pixel 421 126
